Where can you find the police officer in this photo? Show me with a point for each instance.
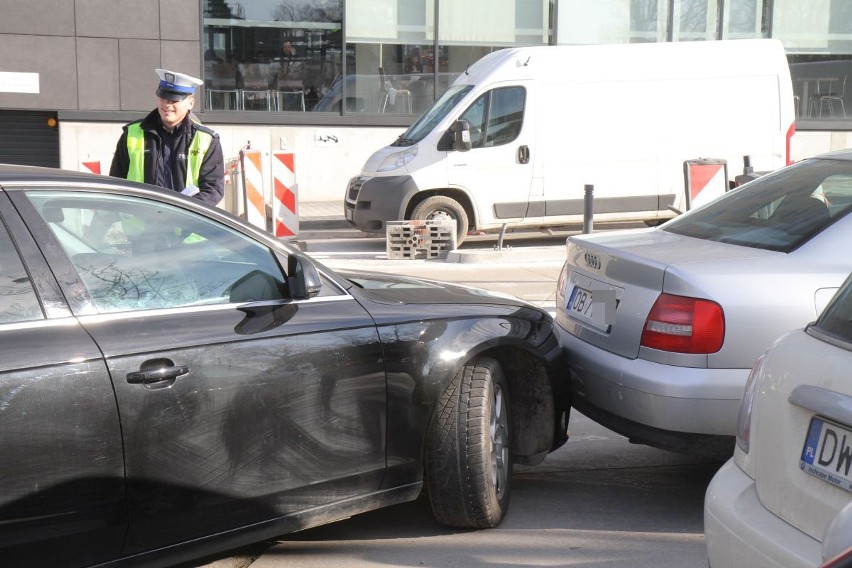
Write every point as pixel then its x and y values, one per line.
pixel 170 147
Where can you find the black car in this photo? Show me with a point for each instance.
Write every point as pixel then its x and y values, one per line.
pixel 175 382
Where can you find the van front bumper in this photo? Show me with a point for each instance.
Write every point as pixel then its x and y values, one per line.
pixel 373 201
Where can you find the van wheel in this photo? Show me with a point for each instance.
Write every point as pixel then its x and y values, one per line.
pixel 443 208
pixel 468 456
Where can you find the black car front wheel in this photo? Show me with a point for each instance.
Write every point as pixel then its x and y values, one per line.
pixel 468 456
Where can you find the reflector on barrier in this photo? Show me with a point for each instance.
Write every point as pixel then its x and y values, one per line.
pixel 705 179
pixel 93 167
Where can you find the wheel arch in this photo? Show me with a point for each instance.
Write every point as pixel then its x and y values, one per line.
pixel 459 195
pixel 536 408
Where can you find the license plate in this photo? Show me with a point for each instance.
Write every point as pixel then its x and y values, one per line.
pixel 580 303
pixel 596 308
pixel 827 453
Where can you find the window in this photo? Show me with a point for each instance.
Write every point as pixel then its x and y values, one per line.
pixel 18 301
pixel 779 211
pixel 495 118
pixel 836 320
pixel 134 254
pixel 271 56
pixel 819 46
pixel 406 53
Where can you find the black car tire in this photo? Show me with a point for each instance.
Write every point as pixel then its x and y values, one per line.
pixel 441 207
pixel 468 456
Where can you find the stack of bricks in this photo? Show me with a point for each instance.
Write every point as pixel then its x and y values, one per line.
pixel 420 239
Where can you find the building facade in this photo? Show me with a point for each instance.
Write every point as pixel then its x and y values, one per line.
pixel 333 80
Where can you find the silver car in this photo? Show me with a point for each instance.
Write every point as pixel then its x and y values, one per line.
pixel 661 326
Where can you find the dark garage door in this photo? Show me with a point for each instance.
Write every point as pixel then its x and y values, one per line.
pixel 29 138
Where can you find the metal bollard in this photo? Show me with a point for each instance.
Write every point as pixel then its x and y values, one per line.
pixel 588 209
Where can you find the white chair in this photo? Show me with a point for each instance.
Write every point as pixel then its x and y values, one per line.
pixel 290 100
pixel 834 98
pixel 397 98
pixel 221 85
pixel 256 86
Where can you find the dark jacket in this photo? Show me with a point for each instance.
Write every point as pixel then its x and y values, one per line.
pixel 211 179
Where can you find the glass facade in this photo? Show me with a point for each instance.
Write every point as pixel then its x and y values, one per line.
pixel 374 57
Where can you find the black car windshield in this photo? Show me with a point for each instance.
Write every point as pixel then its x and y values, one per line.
pixel 435 114
pixel 779 211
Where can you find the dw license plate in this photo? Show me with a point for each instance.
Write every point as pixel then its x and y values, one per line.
pixel 827 453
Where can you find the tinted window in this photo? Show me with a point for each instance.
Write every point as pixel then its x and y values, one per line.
pixel 505 116
pixel 779 211
pixel 18 301
pixel 135 254
pixel 836 320
pixel 496 117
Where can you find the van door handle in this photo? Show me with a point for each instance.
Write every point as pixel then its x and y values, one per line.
pixel 524 154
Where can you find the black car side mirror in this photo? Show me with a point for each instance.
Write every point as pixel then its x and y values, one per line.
pixel 302 277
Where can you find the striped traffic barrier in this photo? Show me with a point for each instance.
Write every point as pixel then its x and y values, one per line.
pixel 93 167
pixel 255 204
pixel 285 218
pixel 705 180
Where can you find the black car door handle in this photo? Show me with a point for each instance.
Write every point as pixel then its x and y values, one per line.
pixel 156 375
pixel 524 154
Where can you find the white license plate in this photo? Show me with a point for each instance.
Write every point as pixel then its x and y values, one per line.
pixel 580 303
pixel 827 453
pixel 585 305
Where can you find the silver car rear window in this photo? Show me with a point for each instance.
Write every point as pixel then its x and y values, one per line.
pixel 779 211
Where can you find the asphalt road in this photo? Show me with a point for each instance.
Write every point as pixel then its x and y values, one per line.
pixel 599 501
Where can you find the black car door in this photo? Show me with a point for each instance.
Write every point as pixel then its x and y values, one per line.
pixel 238 403
pixel 62 501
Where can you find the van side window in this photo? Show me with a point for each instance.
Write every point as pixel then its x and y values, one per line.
pixel 496 117
pixel 506 115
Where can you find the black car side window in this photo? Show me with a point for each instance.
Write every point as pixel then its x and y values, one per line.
pixel 136 254
pixel 18 301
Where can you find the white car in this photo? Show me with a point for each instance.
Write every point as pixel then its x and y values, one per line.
pixel 791 474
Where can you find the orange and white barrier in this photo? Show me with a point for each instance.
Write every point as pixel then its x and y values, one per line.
pixel 254 200
pixel 285 218
pixel 93 167
pixel 706 179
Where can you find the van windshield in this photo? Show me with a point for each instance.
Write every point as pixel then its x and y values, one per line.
pixel 433 115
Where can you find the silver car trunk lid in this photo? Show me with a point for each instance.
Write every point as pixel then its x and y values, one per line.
pixel 634 267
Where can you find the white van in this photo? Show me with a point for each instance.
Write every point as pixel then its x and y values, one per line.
pixel 517 137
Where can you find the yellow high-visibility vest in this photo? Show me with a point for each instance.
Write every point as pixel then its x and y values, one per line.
pixel 136 152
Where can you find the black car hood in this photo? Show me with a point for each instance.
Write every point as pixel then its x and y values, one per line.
pixel 396 289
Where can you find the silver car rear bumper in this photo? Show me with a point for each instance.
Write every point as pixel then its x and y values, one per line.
pixel 640 398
